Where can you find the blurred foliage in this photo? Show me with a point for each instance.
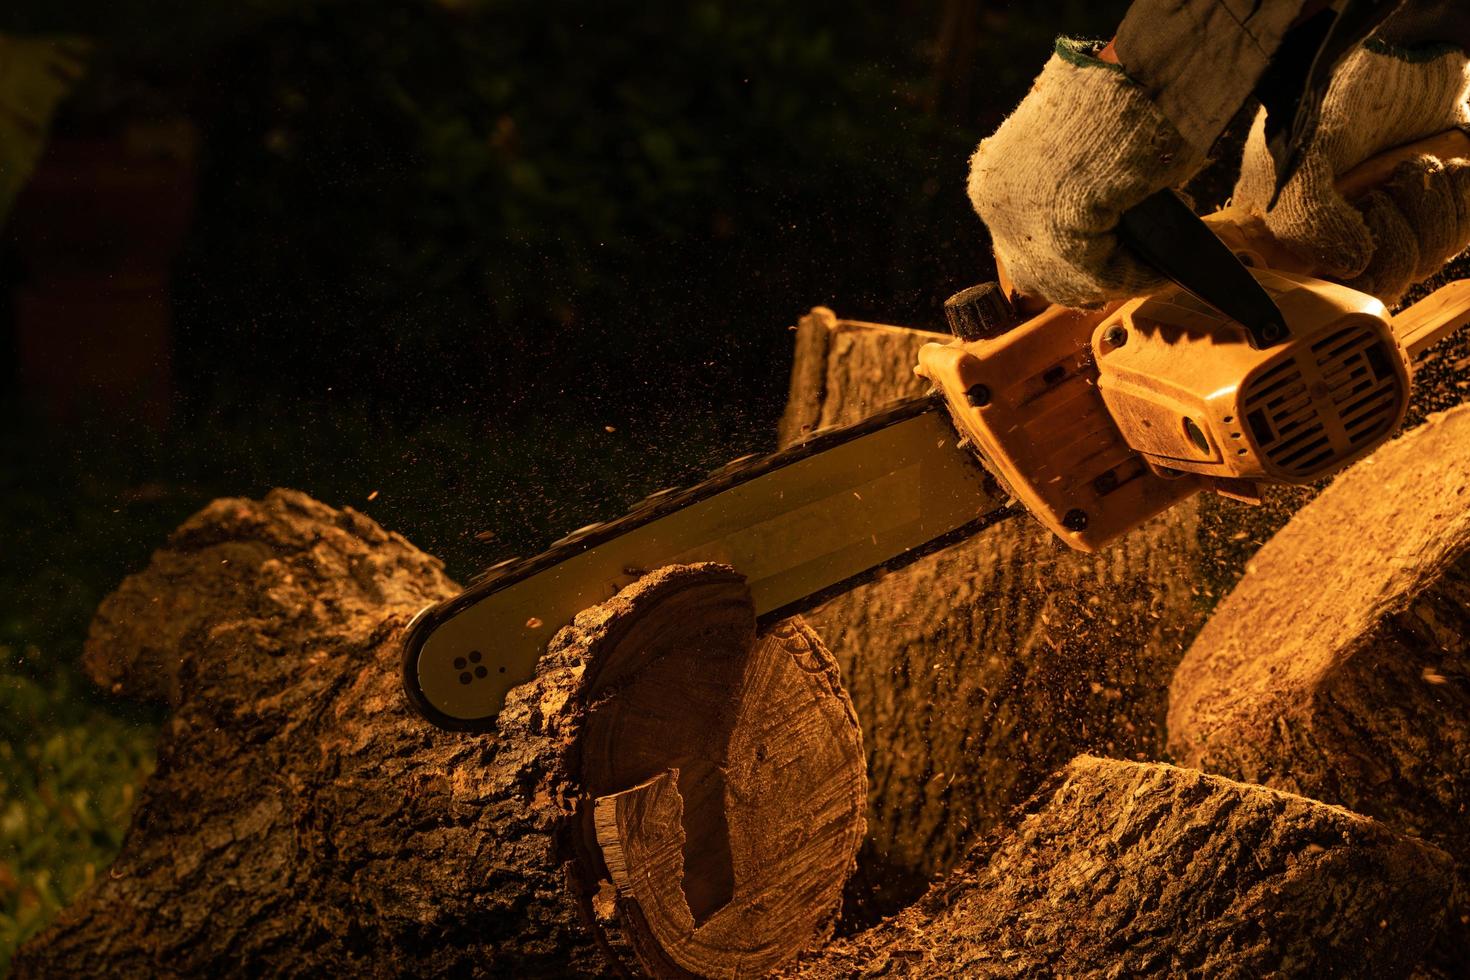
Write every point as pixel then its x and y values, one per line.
pixel 35 75
pixel 487 200
pixel 521 200
pixel 504 190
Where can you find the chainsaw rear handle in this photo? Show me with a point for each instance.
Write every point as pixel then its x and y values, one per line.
pixel 1164 231
pixel 1253 243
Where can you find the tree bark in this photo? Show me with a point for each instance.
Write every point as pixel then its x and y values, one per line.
pixel 1121 869
pixel 667 767
pixel 979 670
pixel 1339 666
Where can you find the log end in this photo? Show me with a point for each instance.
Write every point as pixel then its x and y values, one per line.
pixel 285 568
pixel 1337 667
pixel 723 778
pixel 1362 552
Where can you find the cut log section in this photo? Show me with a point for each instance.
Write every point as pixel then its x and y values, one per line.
pixel 1121 869
pixel 671 789
pixel 1339 667
pixel 726 773
pixel 977 671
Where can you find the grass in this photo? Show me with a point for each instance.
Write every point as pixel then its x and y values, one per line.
pixel 70 769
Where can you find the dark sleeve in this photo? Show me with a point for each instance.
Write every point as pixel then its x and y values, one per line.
pixel 1201 59
pixel 1420 22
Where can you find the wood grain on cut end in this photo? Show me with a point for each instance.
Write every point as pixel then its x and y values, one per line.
pixel 1126 869
pixel 640 833
pixel 728 783
pixel 1339 667
pixel 979 670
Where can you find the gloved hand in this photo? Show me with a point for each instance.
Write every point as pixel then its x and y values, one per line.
pixel 1084 146
pixel 1405 231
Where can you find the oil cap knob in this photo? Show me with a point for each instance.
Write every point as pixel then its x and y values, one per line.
pixel 980 312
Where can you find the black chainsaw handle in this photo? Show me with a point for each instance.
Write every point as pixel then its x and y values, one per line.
pixel 1164 232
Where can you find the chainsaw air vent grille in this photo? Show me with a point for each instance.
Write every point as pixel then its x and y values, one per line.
pixel 1316 408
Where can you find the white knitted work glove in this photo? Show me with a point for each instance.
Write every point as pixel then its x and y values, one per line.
pixel 1418 221
pixel 1380 98
pixel 1084 146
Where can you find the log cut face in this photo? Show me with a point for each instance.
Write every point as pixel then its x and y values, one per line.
pixel 979 670
pixel 724 779
pixel 1339 667
pixel 302 820
pixel 1123 869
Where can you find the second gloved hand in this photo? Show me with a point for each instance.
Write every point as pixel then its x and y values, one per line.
pixel 1405 231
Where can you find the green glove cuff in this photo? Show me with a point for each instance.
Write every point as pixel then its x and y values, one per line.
pixel 1084 53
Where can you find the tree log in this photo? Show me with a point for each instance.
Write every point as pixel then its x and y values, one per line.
pixel 1121 869
pixel 979 670
pixel 671 789
pixel 1339 667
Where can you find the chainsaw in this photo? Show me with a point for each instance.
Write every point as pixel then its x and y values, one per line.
pixel 1248 371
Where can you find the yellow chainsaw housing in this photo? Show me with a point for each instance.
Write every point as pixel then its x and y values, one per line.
pixel 1098 420
pixel 1190 394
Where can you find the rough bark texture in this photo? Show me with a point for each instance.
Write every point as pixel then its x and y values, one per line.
pixel 1121 869
pixel 282 573
pixel 976 672
pixel 303 821
pixel 1339 667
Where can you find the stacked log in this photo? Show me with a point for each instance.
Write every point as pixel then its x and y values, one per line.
pixel 679 794
pixel 1339 667
pixel 672 791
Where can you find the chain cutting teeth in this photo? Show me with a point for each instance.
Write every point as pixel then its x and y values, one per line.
pixel 573 536
pixel 497 569
pixel 734 464
pixel 654 497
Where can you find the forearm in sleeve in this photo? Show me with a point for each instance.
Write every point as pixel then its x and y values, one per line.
pixel 1200 60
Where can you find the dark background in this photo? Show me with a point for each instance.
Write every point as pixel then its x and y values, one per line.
pixel 487 270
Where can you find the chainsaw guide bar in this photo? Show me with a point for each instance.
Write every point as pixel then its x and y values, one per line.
pixel 801 525
pixel 1250 371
